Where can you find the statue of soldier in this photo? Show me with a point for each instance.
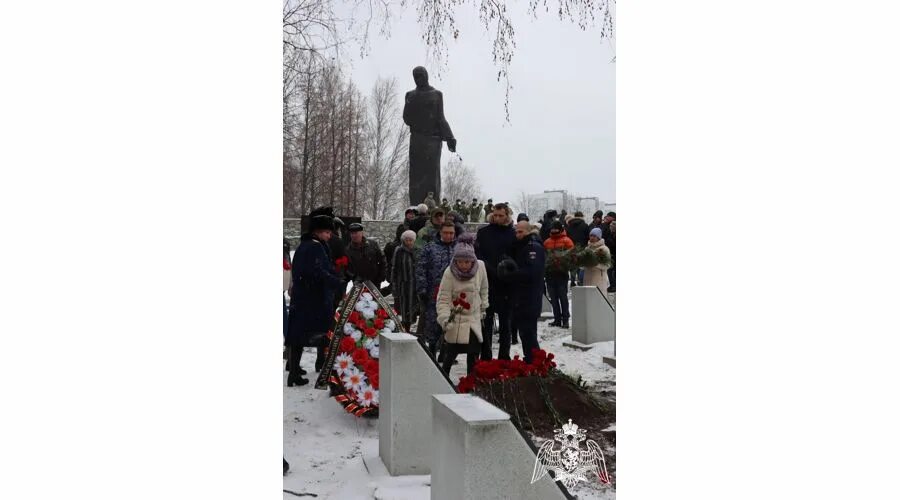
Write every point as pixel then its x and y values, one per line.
pixel 428 129
pixel 445 205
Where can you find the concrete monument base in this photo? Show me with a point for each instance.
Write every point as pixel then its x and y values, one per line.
pixel 408 379
pixel 478 454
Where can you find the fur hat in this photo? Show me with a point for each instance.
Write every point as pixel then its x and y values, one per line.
pixel 556 225
pixel 338 222
pixel 436 212
pixel 320 222
pixel 329 211
pixel 356 226
pixel 408 235
pixel 569 218
pixel 411 210
pixel 422 208
pixel 597 232
pixel 522 216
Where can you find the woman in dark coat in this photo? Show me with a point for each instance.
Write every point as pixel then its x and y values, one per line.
pixel 315 283
pixel 403 280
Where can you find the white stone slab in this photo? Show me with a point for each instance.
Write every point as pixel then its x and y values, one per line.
pixel 478 454
pixel 593 318
pixel 408 379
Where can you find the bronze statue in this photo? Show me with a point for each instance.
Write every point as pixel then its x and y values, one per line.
pixel 424 113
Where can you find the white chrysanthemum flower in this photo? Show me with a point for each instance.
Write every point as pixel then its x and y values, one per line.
pixel 373 353
pixel 368 396
pixel 369 343
pixel 386 330
pixel 368 313
pixel 343 363
pixel 356 334
pixel 390 325
pixel 360 306
pixel 366 296
pixel 354 379
pixel 348 328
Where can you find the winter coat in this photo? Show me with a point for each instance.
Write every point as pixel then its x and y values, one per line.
pixel 315 284
pixel 367 262
pixel 433 260
pixel 579 232
pixel 476 290
pixel 596 276
pixel 418 223
pixel 389 250
pixel 493 243
pixel 401 229
pixel 426 235
pixel 527 276
pixel 403 281
pixel 553 245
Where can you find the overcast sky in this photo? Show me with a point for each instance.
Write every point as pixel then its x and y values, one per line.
pixel 561 133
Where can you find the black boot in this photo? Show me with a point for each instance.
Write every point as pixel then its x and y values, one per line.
pixel 296 380
pixel 565 323
pixel 294 375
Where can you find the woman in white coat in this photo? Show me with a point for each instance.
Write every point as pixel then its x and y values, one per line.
pixel 596 275
pixel 463 294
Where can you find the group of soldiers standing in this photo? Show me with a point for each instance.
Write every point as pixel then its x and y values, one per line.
pixel 470 212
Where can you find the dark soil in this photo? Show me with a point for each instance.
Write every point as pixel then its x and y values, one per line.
pixel 538 405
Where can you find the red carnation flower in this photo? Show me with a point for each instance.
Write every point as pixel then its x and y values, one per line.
pixel 455 303
pixel 462 295
pixel 382 314
pixel 286 264
pixel 373 379
pixel 347 344
pixel 379 323
pixel 370 332
pixel 360 356
pixel 466 384
pixel 466 306
pixel 354 317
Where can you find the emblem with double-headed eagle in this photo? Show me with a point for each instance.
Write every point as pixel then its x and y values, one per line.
pixel 570 464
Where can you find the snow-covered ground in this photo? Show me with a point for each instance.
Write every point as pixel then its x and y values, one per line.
pixel 325 445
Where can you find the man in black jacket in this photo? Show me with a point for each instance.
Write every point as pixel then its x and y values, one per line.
pixel 493 243
pixel 577 229
pixel 549 217
pixel 525 273
pixel 366 259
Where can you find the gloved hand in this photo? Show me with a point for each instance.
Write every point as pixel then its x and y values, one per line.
pixel 506 268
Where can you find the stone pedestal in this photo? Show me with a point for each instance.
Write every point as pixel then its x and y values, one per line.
pixel 408 378
pixel 593 318
pixel 478 454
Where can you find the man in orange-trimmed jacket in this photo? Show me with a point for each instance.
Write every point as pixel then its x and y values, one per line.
pixel 557 273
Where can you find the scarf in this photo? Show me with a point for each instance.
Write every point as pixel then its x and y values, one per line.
pixel 458 274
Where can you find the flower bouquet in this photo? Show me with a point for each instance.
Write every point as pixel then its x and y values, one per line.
pixel 459 305
pixel 486 372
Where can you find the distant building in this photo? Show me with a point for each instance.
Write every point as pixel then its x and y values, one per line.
pixel 560 200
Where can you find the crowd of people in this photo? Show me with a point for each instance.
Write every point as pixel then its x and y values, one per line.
pixel 448 283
